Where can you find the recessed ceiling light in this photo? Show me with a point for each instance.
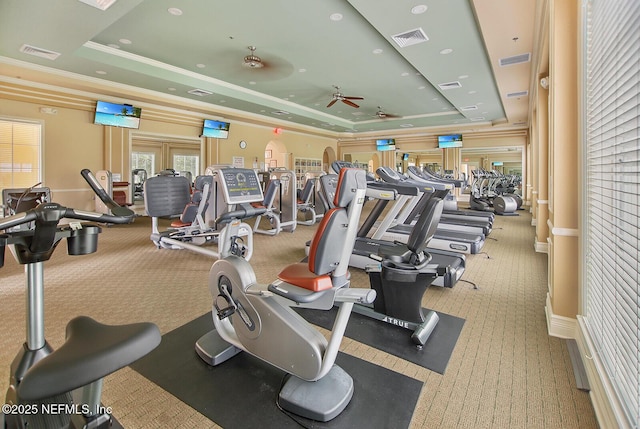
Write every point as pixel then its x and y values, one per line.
pixel 463 76
pixel 335 17
pixel 113 45
pixel 421 87
pixel 417 10
pixel 200 66
pixel 101 72
pixel 435 99
pixel 472 92
pixel 171 89
pixel 252 82
pixel 125 41
pixel 406 125
pixel 302 70
pixel 404 74
pixel 174 11
pixel 446 51
pixel 377 51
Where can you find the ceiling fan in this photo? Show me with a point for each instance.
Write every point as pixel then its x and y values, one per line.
pixel 380 114
pixel 253 61
pixel 338 96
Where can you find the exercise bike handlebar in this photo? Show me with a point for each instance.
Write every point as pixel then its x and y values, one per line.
pixel 53 212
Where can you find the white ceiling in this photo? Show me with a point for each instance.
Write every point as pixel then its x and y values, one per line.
pixel 168 47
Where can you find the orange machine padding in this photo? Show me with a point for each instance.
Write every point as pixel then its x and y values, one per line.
pixel 299 275
pixel 179 224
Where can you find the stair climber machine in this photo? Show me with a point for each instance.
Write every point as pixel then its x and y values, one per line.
pixel 260 320
pixel 401 274
pixel 62 388
pixel 224 189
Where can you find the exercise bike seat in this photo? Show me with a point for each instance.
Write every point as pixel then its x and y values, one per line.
pixel 91 351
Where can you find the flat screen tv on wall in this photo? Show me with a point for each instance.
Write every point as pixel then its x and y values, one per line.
pixel 450 140
pixel 215 129
pixel 117 115
pixel 385 144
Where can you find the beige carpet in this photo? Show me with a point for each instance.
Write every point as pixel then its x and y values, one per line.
pixel 505 372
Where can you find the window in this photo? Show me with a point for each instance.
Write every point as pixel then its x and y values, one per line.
pixel 190 163
pixel 20 154
pixel 145 161
pixel 611 300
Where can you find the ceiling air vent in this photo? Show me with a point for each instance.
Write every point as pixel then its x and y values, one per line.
pixel 200 92
pixel 449 85
pixel 411 37
pixel 476 119
pixel 466 108
pixel 516 59
pixel 517 94
pixel 39 52
pixel 280 112
pixel 99 4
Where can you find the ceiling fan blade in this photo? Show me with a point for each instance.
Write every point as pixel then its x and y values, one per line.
pixel 332 102
pixel 353 98
pixel 350 103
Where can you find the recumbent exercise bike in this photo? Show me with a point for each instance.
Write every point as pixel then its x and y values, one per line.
pixel 260 320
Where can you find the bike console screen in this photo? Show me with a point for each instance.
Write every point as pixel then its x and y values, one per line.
pixel 240 185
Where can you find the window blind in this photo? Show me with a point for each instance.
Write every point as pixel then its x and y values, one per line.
pixel 19 154
pixel 612 167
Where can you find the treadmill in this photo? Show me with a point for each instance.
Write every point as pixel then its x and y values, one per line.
pixel 396 228
pixel 452 264
pixel 452 219
pixel 428 175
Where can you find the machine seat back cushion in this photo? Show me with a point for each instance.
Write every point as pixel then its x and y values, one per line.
pixel 328 243
pixel 166 195
pixel 307 190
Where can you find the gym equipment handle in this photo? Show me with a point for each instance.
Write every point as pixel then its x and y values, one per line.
pixel 50 212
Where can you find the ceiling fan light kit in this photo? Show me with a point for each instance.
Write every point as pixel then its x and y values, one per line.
pixel 253 61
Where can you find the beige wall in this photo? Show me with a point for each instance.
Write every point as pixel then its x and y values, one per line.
pixel 72 142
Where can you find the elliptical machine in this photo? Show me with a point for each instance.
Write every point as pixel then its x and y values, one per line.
pixel 484 197
pixel 41 379
pixel 260 320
